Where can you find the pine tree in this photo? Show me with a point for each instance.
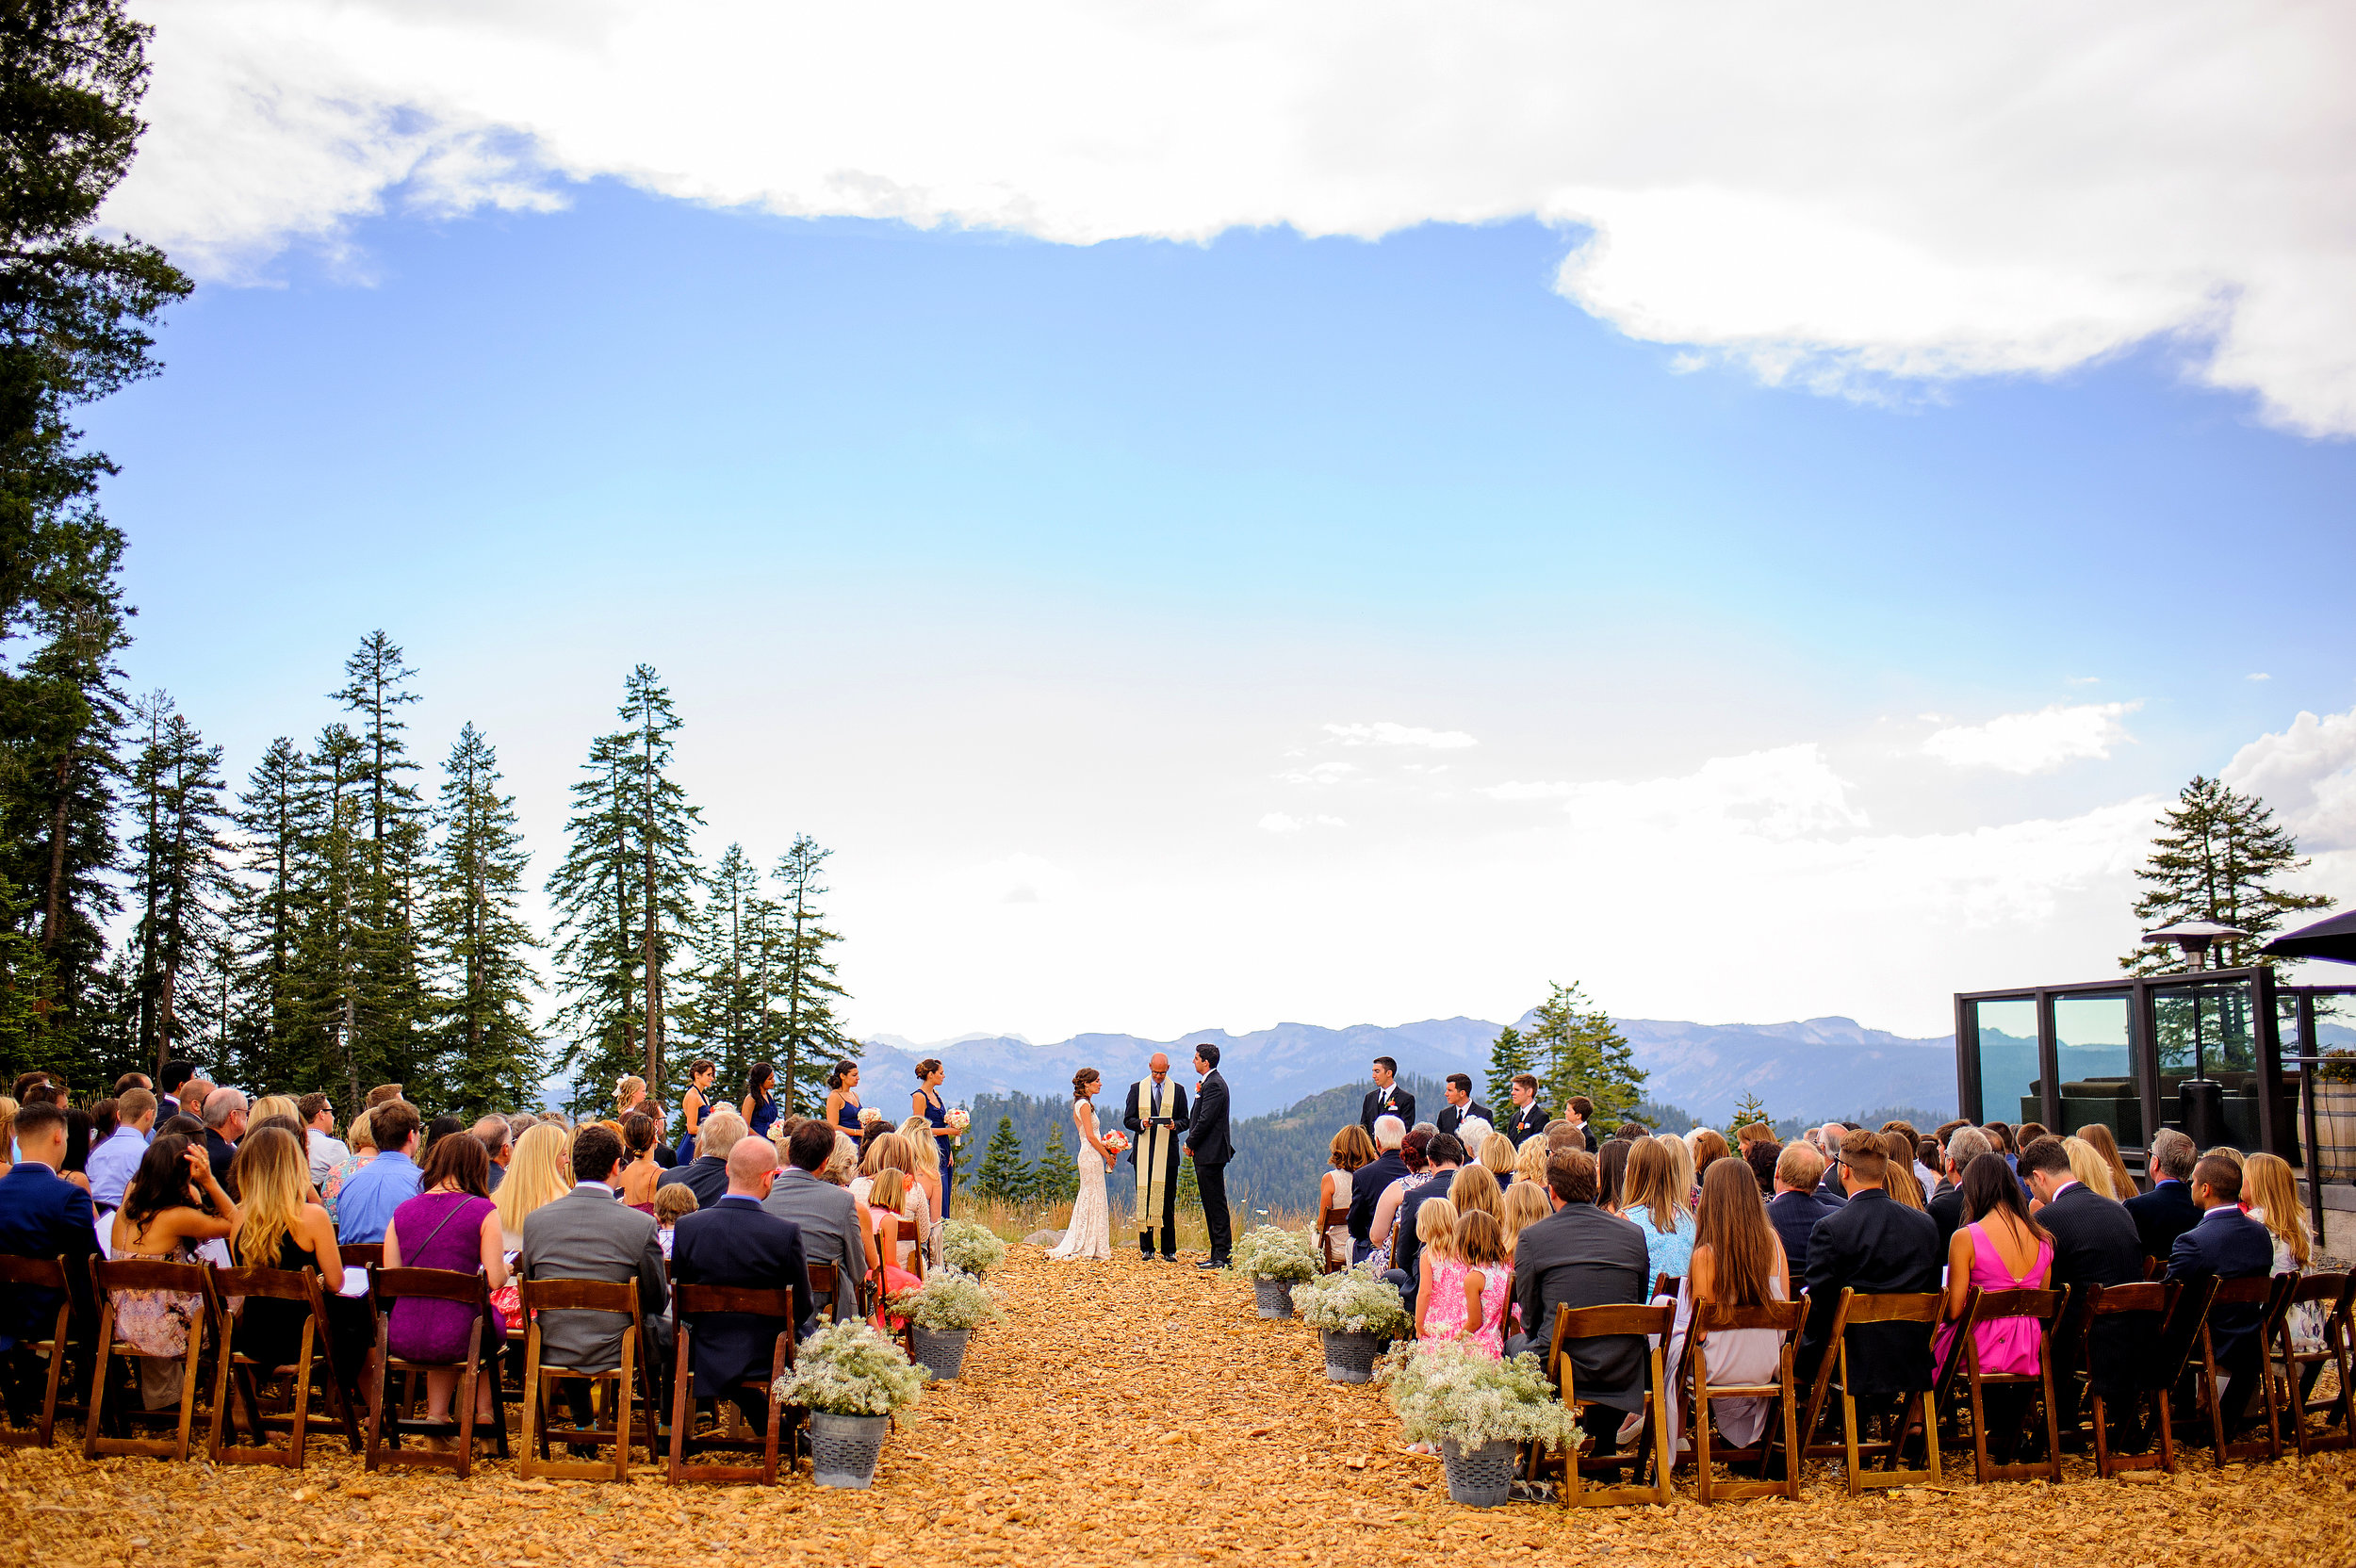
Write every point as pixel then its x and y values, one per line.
pixel 179 877
pixel 2217 854
pixel 330 968
pixel 1580 1050
pixel 807 991
pixel 1005 1174
pixel 727 1008
pixel 1055 1179
pixel 1751 1109
pixel 267 1025
pixel 389 993
pixel 667 864
pixel 489 1056
pixel 1510 1056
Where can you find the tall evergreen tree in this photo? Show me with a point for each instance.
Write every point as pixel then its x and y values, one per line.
pixel 1751 1109
pixel 1055 1179
pixel 390 995
pixel 268 1026
pixel 489 1057
pixel 812 1037
pixel 1005 1174
pixel 1580 1050
pixel 1509 1057
pixel 726 1011
pixel 2217 857
pixel 331 959
pixel 179 877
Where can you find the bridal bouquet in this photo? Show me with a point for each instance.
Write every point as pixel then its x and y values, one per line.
pixel 1444 1391
pixel 1116 1140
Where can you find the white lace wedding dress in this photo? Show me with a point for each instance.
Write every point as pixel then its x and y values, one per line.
pixel 1091 1232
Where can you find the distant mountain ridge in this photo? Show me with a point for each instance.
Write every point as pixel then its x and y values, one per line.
pixel 1818 1068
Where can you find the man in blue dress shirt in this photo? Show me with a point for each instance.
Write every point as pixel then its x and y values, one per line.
pixel 363 1210
pixel 113 1163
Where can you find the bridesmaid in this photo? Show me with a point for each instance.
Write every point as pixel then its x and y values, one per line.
pixel 843 1098
pixel 928 1104
pixel 761 1100
pixel 694 1103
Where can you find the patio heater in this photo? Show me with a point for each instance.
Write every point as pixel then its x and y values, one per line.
pixel 2199 1101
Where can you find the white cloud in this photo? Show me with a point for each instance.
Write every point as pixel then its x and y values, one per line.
pixel 1279 822
pixel 2259 675
pixel 2032 742
pixel 2307 774
pixel 1398 735
pixel 1832 196
pixel 1321 772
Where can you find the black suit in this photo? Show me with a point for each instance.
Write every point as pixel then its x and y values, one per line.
pixel 1133 1117
pixel 1367 1187
pixel 218 1152
pixel 1946 1206
pixel 1527 1122
pixel 1206 1136
pixel 1795 1216
pixel 45 1217
pixel 736 1242
pixel 1391 1102
pixel 706 1176
pixel 1874 1247
pixel 2161 1215
pixel 2095 1244
pixel 1451 1118
pixel 1580 1256
pixel 2228 1245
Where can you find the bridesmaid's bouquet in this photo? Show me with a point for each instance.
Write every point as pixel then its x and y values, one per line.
pixel 958 1119
pixel 1116 1140
pixel 869 1115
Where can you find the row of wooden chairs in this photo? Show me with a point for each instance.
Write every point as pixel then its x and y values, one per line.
pixel 2177 1318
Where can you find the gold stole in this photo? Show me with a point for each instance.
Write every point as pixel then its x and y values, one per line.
pixel 1152 1150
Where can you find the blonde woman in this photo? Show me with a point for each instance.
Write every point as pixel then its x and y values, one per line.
pixel 1898 1179
pixel 1525 1204
pixel 2273 1195
pixel 1648 1200
pixel 2086 1167
pixel 1475 1188
pixel 900 1155
pixel 280 1227
pixel 837 1171
pixel 919 1133
pixel 1497 1154
pixel 8 1108
pixel 1688 1184
pixel 540 1172
pixel 886 1204
pixel 1529 1166
pixel 270 1106
pixel 2123 1180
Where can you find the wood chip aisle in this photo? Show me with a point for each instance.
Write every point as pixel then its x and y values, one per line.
pixel 1128 1412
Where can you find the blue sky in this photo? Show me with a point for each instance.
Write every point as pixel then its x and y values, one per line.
pixel 1176 632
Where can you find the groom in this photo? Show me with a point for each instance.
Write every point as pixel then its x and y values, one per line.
pixel 1207 1145
pixel 1155 1115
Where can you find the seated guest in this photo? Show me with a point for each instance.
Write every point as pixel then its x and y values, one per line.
pixel 1829 1144
pixel 1738 1262
pixel 362 1152
pixel 2226 1244
pixel 1525 1204
pixel 1369 1182
pixel 738 1242
pixel 1611 1172
pixel 1876 1247
pixel 113 1163
pixel 2094 1243
pixel 1898 1178
pixel 371 1194
pixel 224 1124
pixel 826 1216
pixel 452 1224
pixel 1753 1132
pixel 1350 1151
pixel 707 1174
pixel 1708 1146
pixel 2167 1210
pixel 1578 1256
pixel 280 1227
pixel 587 1235
pixel 1654 1201
pixel 173 1206
pixel 640 1170
pixel 2089 1169
pixel 541 1173
pixel 1437 1294
pixel 1404 1238
pixel 676 1202
pixel 1945 1204
pixel 1997 1248
pixel 1496 1154
pixel 2106 1148
pixel 45 1217
pixel 498 1148
pixel 2272 1192
pixel 318 1115
pixel 1760 1154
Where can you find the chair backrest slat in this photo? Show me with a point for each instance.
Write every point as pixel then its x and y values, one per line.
pixel 35 1273
pixel 273 1284
pixel 2040 1304
pixel 431 1285
pixel 361 1254
pixel 1599 1322
pixel 2319 1287
pixel 615 1295
pixel 2253 1291
pixel 1904 1307
pixel 696 1300
pixel 183 1279
pixel 2151 1296
pixel 1785 1317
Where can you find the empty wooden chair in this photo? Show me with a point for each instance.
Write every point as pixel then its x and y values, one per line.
pixel 41 1274
pixel 2159 1302
pixel 1786 1318
pixel 1832 1374
pixel 2271 1295
pixel 232 1294
pixel 184 1280
pixel 1576 1323
pixel 387 1420
pixel 2044 1308
pixel 628 1380
pixel 696 1302
pixel 2335 1295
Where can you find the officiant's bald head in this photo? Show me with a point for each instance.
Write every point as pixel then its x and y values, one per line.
pixel 1159 1066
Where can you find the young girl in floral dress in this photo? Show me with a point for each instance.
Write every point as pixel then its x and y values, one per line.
pixel 1480 1242
pixel 1440 1292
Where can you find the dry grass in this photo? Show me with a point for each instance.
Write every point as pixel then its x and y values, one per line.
pixel 1133 1411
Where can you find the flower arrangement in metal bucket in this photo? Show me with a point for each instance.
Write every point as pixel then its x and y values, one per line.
pixel 1354 1301
pixel 1443 1390
pixel 946 1301
pixel 970 1248
pixel 850 1369
pixel 1272 1253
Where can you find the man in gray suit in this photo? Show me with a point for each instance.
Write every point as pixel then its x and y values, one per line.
pixel 1580 1256
pixel 827 1214
pixel 589 1234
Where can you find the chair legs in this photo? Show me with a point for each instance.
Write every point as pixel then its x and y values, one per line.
pixel 102 1373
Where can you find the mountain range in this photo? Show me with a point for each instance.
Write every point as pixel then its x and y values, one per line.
pixel 1815 1069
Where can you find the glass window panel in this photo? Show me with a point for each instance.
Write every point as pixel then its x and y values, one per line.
pixel 2097 1081
pixel 2009 1090
pixel 2208 1050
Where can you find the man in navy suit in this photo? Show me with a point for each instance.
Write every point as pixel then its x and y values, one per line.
pixel 1529 1118
pixel 41 1215
pixel 737 1242
pixel 1797 1205
pixel 2227 1244
pixel 1461 1106
pixel 1208 1146
pixel 1875 1245
pixel 2094 1244
pixel 2167 1210
pixel 1386 1098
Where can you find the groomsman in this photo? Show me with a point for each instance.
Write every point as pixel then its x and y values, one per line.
pixel 1207 1145
pixel 1462 1107
pixel 1386 1098
pixel 1529 1118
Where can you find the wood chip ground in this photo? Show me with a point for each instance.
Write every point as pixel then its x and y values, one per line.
pixel 1129 1411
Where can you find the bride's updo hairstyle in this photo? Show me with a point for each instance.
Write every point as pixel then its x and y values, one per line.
pixel 1082 1079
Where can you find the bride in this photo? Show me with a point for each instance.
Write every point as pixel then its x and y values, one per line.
pixel 1091 1232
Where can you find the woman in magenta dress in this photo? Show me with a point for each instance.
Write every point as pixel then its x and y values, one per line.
pixel 1997 1248
pixel 450 1224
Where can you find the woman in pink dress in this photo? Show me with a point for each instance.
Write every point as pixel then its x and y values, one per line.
pixel 1488 1283
pixel 1998 1248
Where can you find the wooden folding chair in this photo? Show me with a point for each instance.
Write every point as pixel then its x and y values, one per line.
pixel 2336 1293
pixel 1328 1218
pixel 361 1254
pixel 1857 1310
pixel 888 1249
pixel 2160 1300
pixel 1576 1323
pixel 697 1301
pixel 42 1274
pixel 1785 1317
pixel 2271 1295
pixel 845 1300
pixel 180 1279
pixel 2044 1308
pixel 471 1291
pixel 619 1298
pixel 232 1290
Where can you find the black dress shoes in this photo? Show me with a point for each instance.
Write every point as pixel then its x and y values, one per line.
pixel 1211 1263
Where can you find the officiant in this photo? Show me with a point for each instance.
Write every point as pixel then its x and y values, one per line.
pixel 1156 1116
